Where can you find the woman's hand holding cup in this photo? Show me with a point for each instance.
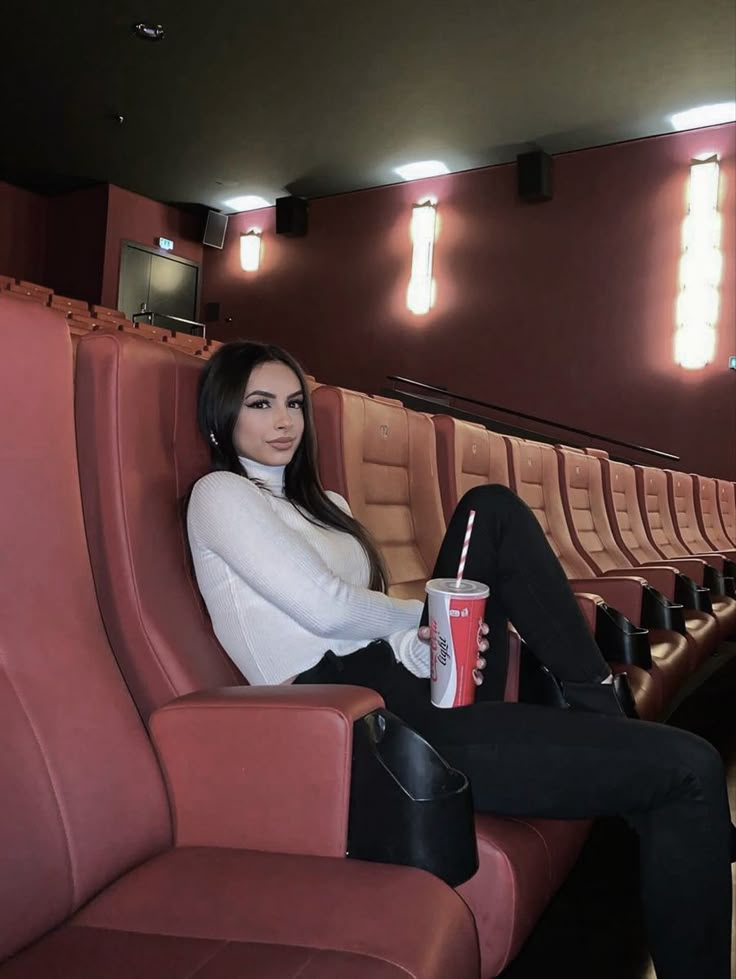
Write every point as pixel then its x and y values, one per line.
pixel 424 634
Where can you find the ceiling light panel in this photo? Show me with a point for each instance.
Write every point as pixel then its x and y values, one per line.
pixel 704 115
pixel 423 168
pixel 249 202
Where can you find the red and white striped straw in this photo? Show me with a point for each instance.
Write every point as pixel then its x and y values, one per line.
pixel 466 544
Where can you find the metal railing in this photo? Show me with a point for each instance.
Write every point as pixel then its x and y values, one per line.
pixel 150 315
pixel 445 398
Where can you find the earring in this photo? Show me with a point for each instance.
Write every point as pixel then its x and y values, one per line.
pixel 213 440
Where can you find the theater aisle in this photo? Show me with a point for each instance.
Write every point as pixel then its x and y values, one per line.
pixel 593 929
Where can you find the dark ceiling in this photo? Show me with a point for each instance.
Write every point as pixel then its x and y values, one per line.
pixel 322 96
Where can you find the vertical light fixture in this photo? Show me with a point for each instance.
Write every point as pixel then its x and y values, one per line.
pixel 250 250
pixel 421 292
pixel 696 312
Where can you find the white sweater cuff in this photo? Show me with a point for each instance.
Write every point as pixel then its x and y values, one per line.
pixel 411 651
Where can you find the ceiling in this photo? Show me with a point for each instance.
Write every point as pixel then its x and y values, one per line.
pixel 324 96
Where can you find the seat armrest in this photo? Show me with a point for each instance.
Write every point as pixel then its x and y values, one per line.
pixel 261 768
pixel 622 593
pixel 664 579
pixel 691 566
pixel 588 604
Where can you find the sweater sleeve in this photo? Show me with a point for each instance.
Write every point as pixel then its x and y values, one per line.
pixel 232 518
pixel 409 649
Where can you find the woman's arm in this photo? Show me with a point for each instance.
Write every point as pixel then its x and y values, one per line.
pixel 232 518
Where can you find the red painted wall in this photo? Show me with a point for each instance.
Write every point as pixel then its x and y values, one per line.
pixel 78 217
pixel 131 217
pixel 563 309
pixel 22 233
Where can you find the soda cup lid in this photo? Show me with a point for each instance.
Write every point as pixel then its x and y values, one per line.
pixel 450 586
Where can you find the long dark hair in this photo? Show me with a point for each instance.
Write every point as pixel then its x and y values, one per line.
pixel 222 385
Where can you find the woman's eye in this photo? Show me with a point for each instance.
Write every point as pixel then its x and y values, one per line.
pixel 296 404
pixel 257 404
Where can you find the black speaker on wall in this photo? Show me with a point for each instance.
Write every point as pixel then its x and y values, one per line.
pixel 292 216
pixel 211 312
pixel 214 230
pixel 534 176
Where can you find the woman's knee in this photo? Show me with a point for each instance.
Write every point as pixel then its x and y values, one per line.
pixel 699 759
pixel 489 495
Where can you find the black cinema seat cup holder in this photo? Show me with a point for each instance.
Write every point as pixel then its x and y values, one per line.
pixel 407 805
pixel 619 640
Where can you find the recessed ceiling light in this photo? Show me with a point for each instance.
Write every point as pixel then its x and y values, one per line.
pixel 424 168
pixel 704 115
pixel 149 32
pixel 247 203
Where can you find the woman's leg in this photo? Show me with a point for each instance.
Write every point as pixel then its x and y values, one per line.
pixel 528 760
pixel 509 552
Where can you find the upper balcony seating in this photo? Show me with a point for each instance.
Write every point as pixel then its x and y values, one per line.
pixel 106 313
pixel 188 342
pixel 148 332
pixel 705 491
pixel 29 292
pixel 92 875
pixel 69 306
pixel 139 452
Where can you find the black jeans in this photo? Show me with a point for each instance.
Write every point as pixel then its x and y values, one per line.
pixel 529 760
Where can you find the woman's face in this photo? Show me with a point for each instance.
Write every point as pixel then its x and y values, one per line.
pixel 270 424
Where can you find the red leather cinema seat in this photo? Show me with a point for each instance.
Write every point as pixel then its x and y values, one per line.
pixel 651 485
pixel 708 512
pixel 94 881
pixel 582 487
pixel 681 493
pixel 727 507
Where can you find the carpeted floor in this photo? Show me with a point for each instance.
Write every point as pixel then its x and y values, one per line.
pixel 593 928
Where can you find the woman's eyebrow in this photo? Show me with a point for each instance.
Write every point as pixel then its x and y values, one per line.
pixel 270 394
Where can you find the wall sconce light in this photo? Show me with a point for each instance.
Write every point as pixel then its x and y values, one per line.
pixel 421 292
pixel 696 312
pixel 250 250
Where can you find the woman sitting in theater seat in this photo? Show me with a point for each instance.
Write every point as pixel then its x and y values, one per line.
pixel 296 592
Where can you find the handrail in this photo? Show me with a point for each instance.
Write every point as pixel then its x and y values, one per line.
pixel 533 418
pixel 166 316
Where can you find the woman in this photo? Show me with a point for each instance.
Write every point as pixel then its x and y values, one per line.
pixel 295 590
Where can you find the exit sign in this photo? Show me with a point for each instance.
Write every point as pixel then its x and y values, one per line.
pixel 166 243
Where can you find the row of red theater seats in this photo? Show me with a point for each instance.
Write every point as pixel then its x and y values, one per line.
pixel 136 458
pixel 83 318
pixel 403 473
pixel 138 450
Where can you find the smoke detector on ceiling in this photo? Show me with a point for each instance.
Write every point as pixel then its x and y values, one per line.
pixel 149 32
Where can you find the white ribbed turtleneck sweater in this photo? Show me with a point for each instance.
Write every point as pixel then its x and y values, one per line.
pixel 281 591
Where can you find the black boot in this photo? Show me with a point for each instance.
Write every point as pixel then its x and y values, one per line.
pixel 603 698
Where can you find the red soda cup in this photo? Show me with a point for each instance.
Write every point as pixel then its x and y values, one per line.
pixel 456 615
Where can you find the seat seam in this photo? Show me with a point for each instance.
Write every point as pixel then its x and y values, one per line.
pixel 52 782
pixel 359 953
